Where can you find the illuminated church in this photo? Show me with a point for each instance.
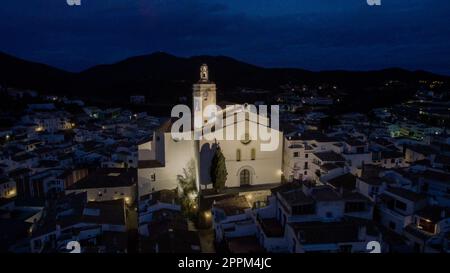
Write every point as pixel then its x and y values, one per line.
pixel 163 158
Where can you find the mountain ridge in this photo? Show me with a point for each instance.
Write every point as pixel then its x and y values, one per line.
pixel 164 77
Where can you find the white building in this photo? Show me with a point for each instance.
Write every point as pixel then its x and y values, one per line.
pixel 107 184
pixel 163 158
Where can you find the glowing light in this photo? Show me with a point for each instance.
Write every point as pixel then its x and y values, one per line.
pixel 207 215
pixel 127 200
pixel 12 193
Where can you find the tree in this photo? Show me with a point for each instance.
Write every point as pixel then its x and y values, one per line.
pixel 218 171
pixel 188 189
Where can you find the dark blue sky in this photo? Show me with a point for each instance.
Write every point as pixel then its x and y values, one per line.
pixel 311 34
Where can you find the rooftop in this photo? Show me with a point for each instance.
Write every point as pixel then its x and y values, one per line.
pixel 436 176
pixel 162 196
pixel 346 181
pixel 107 178
pixel 325 194
pixel 330 156
pixel 313 135
pixel 296 197
pixel 271 227
pixel 326 233
pixel 233 205
pixel 244 244
pixel 422 149
pixel 406 194
pixel 105 212
pixel 174 241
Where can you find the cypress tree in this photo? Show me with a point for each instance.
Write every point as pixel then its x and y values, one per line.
pixel 218 170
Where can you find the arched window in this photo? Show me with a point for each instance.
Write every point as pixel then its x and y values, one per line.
pixel 253 154
pixel 245 177
pixel 238 155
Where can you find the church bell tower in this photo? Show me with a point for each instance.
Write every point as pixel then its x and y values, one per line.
pixel 204 94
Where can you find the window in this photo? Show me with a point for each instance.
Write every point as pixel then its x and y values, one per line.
pixel 306 166
pixel 306 173
pixel 306 155
pixel 238 155
pixel 253 154
pixel 426 226
pixel 295 154
pixel 153 177
pixel 245 177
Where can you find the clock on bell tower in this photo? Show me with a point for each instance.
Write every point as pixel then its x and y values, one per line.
pixel 204 91
pixel 204 74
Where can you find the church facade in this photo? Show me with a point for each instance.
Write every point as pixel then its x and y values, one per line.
pixel 164 158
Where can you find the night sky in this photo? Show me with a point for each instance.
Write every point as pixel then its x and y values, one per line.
pixel 310 34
